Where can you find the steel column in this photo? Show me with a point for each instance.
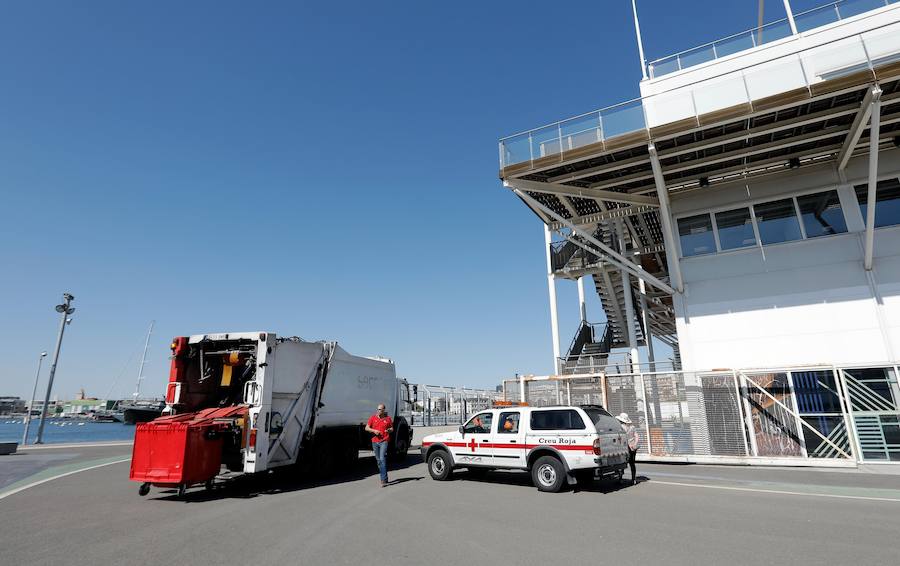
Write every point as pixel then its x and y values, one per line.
pixel 551 289
pixel 666 217
pixel 874 133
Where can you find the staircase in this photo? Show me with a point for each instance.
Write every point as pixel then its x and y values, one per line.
pixel 589 350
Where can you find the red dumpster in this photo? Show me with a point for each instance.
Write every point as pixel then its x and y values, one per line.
pixel 180 449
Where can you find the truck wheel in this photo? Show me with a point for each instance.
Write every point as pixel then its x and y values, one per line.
pixel 439 465
pixel 548 474
pixel 401 446
pixel 324 460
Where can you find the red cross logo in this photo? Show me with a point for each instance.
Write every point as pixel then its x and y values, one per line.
pixel 472 444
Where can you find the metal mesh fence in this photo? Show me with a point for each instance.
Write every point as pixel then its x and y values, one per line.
pixel 436 405
pixel 775 415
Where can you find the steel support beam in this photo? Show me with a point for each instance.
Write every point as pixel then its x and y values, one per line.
pixel 859 124
pixel 665 215
pixel 611 255
pixel 551 289
pixel 611 214
pixel 566 190
pixel 875 131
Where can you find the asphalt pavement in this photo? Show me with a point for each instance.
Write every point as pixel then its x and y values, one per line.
pixel 676 514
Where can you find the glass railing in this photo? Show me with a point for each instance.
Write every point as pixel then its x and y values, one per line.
pixel 774 31
pixel 805 69
pixel 720 48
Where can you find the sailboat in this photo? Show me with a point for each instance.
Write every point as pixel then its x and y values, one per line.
pixel 141 410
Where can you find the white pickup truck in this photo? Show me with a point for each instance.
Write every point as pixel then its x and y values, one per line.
pixel 556 445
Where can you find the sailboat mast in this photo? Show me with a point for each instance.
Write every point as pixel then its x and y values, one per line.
pixel 137 390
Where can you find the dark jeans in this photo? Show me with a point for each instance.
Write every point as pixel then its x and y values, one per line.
pixel 380 449
pixel 631 455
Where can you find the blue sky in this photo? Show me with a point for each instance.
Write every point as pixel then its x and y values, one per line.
pixel 327 170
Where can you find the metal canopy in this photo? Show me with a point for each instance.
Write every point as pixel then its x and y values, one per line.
pixel 598 195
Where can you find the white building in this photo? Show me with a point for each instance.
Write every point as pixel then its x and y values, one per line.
pixel 724 214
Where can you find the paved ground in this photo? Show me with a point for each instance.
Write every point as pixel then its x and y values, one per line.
pixel 675 515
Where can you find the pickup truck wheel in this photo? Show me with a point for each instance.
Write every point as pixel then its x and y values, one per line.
pixel 548 474
pixel 439 465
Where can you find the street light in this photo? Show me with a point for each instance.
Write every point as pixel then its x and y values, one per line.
pixel 65 310
pixel 33 393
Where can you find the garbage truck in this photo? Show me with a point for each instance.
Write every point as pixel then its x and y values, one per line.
pixel 251 402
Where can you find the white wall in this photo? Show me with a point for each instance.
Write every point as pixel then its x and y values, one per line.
pixel 797 303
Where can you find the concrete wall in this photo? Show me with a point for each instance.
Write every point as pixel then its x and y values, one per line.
pixel 796 303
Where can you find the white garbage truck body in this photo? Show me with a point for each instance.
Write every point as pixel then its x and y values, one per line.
pixel 279 402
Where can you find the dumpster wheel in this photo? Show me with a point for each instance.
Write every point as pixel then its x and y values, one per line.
pixel 144 489
pixel 181 489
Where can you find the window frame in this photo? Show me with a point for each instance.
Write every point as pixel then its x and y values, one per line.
pixel 501 417
pixel 533 428
pixel 711 212
pixel 489 428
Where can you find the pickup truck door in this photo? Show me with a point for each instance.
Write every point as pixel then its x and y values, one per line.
pixel 475 445
pixel 509 440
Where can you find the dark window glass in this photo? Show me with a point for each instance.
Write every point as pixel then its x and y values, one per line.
pixel 887 202
pixel 696 235
pixel 822 214
pixel 556 420
pixel 735 229
pixel 509 423
pixel 777 221
pixel 479 424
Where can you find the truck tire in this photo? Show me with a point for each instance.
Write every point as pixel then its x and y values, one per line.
pixel 401 445
pixel 439 465
pixel 323 460
pixel 548 474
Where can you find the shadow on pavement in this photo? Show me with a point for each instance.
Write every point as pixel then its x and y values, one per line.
pixel 523 478
pixel 282 481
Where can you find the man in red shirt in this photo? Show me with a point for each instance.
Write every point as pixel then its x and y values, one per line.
pixel 381 426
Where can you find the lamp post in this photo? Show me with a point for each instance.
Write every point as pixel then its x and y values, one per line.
pixel 64 309
pixel 33 393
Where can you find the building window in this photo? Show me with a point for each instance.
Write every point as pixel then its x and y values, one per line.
pixel 887 202
pixel 735 229
pixel 822 214
pixel 696 235
pixel 777 221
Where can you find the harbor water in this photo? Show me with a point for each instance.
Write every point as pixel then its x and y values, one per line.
pixel 57 431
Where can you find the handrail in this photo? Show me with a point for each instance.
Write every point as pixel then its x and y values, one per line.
pixel 750 33
pixel 515 148
pixel 554 123
pixel 719 40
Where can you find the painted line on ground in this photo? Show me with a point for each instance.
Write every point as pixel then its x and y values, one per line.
pixel 84 445
pixel 58 476
pixel 775 491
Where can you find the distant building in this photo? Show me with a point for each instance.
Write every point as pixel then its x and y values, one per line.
pixel 11 405
pixel 86 406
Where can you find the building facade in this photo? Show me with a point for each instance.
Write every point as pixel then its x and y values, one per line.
pixel 744 213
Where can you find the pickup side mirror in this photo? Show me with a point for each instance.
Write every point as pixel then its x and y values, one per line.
pixel 462 430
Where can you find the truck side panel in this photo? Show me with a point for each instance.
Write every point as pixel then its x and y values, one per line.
pixel 293 368
pixel 354 386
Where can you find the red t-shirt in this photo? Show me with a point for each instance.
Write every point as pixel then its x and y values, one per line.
pixel 381 425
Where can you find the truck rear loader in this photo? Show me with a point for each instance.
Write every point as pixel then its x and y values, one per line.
pixel 251 402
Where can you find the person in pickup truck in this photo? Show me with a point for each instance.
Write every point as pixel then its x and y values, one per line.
pixel 381 426
pixel 631 437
